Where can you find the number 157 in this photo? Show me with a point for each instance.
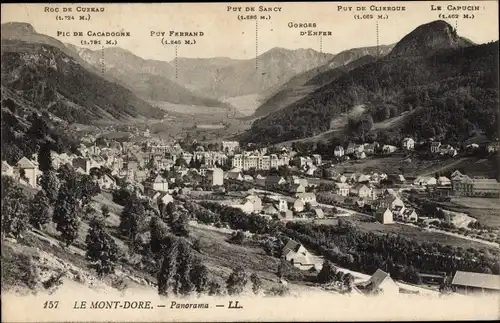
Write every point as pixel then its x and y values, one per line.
pixel 50 304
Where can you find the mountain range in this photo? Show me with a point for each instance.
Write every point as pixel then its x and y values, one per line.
pixel 225 78
pixel 305 83
pixel 433 83
pixel 442 83
pixel 150 79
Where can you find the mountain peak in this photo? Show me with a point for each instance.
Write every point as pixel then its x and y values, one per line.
pixel 18 28
pixel 427 38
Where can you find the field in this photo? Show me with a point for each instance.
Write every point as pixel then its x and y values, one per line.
pixel 245 104
pixel 477 202
pixel 419 234
pixel 221 256
pixel 485 210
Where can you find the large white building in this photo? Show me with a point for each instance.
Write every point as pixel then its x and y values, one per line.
pixel 255 160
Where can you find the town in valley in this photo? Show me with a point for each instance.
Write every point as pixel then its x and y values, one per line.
pixel 269 167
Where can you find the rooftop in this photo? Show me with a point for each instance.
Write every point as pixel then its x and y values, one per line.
pixel 478 280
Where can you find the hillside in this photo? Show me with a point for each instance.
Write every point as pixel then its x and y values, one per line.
pixel 56 82
pixel 456 89
pixel 149 79
pixel 225 78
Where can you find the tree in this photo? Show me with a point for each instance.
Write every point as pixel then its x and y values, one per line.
pixel 168 268
pixel 105 211
pixel 50 185
pixel 214 288
pixel 412 275
pixel 256 283
pixel 14 209
pixel 184 286
pixel 348 281
pixel 88 188
pixel 236 281
pixel 327 273
pixel 44 157
pixel 159 234
pixel 283 268
pixel 131 217
pixel 66 213
pixel 199 277
pixel 180 226
pixel 39 210
pixel 101 250
pixel 238 237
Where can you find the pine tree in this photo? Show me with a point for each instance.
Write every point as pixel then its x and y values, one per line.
pixel 101 248
pixel 14 209
pixel 44 157
pixel 158 232
pixel 180 226
pixel 39 210
pixel 168 268
pixel 199 277
pixel 131 217
pixel 87 188
pixel 283 268
pixel 66 213
pixel 50 185
pixel 185 262
pixel 237 281
pixel 256 283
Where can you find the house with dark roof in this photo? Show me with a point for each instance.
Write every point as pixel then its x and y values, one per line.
pixel 384 216
pixel 379 282
pixel 296 254
pixel 470 283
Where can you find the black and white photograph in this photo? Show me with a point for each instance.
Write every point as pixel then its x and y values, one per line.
pixel 273 161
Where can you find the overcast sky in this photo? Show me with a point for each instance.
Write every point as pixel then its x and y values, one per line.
pixel 226 36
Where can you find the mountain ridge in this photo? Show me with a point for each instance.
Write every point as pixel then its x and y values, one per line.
pixel 310 80
pixel 442 83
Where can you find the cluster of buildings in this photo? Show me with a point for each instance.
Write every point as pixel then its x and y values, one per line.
pixel 259 160
pixel 361 151
pixel 463 185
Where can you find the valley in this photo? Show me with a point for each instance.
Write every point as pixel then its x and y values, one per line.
pixel 264 172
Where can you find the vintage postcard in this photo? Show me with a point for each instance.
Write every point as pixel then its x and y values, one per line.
pixel 257 161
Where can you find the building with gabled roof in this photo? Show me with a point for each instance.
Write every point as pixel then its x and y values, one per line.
pixel 160 184
pixel 469 283
pixel 384 216
pixel 295 253
pixel 30 170
pixel 379 282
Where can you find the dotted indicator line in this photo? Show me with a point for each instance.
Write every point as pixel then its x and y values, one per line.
pixel 320 44
pixel 176 64
pixel 256 43
pixel 102 59
pixel 378 47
